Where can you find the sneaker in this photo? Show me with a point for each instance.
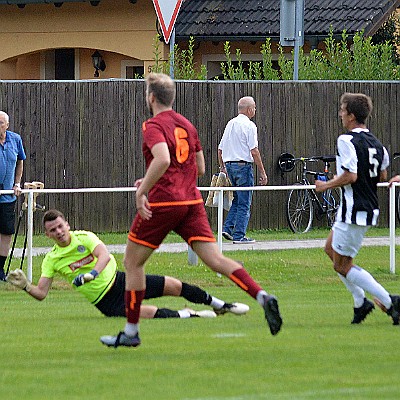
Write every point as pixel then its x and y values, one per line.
pixel 394 310
pixel 271 312
pixel 360 313
pixel 121 340
pixel 227 236
pixel 234 308
pixel 201 314
pixel 244 240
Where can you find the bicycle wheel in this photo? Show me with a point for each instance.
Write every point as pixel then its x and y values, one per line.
pixel 299 210
pixel 332 201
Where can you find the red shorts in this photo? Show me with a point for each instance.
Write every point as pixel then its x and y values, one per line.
pixel 188 221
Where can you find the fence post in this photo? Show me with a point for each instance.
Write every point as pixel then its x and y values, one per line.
pixel 30 235
pixel 193 258
pixel 392 227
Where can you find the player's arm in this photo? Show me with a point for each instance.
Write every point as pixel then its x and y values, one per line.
pixel 201 165
pixel 103 258
pixel 19 280
pixel 347 178
pixel 383 175
pixel 156 170
pixel 40 291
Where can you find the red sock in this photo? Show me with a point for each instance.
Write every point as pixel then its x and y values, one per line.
pixel 242 278
pixel 133 300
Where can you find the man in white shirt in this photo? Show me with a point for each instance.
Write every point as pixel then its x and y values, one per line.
pixel 237 151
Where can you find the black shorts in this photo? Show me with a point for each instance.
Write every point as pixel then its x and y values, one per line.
pixel 113 303
pixel 7 218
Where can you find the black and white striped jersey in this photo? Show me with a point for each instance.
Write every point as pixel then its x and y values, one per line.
pixel 360 152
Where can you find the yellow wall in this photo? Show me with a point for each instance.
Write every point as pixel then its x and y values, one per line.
pixel 118 29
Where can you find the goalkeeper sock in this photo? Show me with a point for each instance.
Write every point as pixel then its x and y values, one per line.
pixel 194 294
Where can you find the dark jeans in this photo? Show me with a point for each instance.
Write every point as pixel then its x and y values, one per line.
pixel 241 175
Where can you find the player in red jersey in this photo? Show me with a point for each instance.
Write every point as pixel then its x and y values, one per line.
pixel 168 200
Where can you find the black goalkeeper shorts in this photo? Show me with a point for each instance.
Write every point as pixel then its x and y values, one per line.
pixel 113 303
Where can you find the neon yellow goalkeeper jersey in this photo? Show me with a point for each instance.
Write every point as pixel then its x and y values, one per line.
pixel 77 258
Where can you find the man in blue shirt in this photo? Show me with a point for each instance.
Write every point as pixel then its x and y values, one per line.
pixel 12 156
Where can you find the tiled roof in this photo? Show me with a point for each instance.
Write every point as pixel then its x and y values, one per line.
pixel 260 18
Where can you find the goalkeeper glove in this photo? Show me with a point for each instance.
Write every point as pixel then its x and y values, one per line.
pixel 81 279
pixel 18 279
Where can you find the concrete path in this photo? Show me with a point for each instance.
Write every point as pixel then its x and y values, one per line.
pixel 227 246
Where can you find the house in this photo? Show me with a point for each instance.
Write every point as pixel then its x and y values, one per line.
pixel 247 23
pixel 47 39
pixel 52 39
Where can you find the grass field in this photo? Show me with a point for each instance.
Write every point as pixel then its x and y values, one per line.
pixel 51 349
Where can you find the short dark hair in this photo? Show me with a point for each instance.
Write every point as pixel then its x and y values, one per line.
pixel 358 104
pixel 51 215
pixel 163 88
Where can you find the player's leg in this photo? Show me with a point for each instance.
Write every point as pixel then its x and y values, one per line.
pixel 346 242
pixel 135 288
pixel 196 295
pixel 211 256
pixel 135 283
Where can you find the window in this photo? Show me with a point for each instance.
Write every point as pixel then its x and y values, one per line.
pixel 132 69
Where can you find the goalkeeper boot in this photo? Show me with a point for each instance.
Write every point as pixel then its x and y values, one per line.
pixel 121 340
pixel 2 275
pixel 234 308
pixel 272 315
pixel 201 314
pixel 360 313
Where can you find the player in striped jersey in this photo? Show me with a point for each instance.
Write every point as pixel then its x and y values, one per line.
pixel 361 163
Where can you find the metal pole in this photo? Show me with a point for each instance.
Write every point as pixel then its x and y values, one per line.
pixel 193 258
pixel 220 217
pixel 392 227
pixel 172 54
pixel 30 234
pixel 299 36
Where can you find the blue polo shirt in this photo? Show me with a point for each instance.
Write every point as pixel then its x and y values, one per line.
pixel 11 151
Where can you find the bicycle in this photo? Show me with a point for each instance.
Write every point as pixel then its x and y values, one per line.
pixel 303 204
pixel 397 155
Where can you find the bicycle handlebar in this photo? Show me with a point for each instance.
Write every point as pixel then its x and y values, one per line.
pixel 287 161
pixel 317 158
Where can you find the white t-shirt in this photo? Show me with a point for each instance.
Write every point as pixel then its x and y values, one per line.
pixel 239 138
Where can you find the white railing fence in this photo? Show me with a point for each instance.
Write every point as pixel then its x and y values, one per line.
pixel 220 191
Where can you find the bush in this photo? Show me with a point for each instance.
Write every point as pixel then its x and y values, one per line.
pixel 361 59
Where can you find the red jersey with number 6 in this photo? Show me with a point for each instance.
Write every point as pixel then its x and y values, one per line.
pixel 178 185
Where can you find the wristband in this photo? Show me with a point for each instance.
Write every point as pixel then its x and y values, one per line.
pixel 27 288
pixel 94 273
pixel 17 185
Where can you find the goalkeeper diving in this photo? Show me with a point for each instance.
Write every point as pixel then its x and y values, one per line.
pixel 82 259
